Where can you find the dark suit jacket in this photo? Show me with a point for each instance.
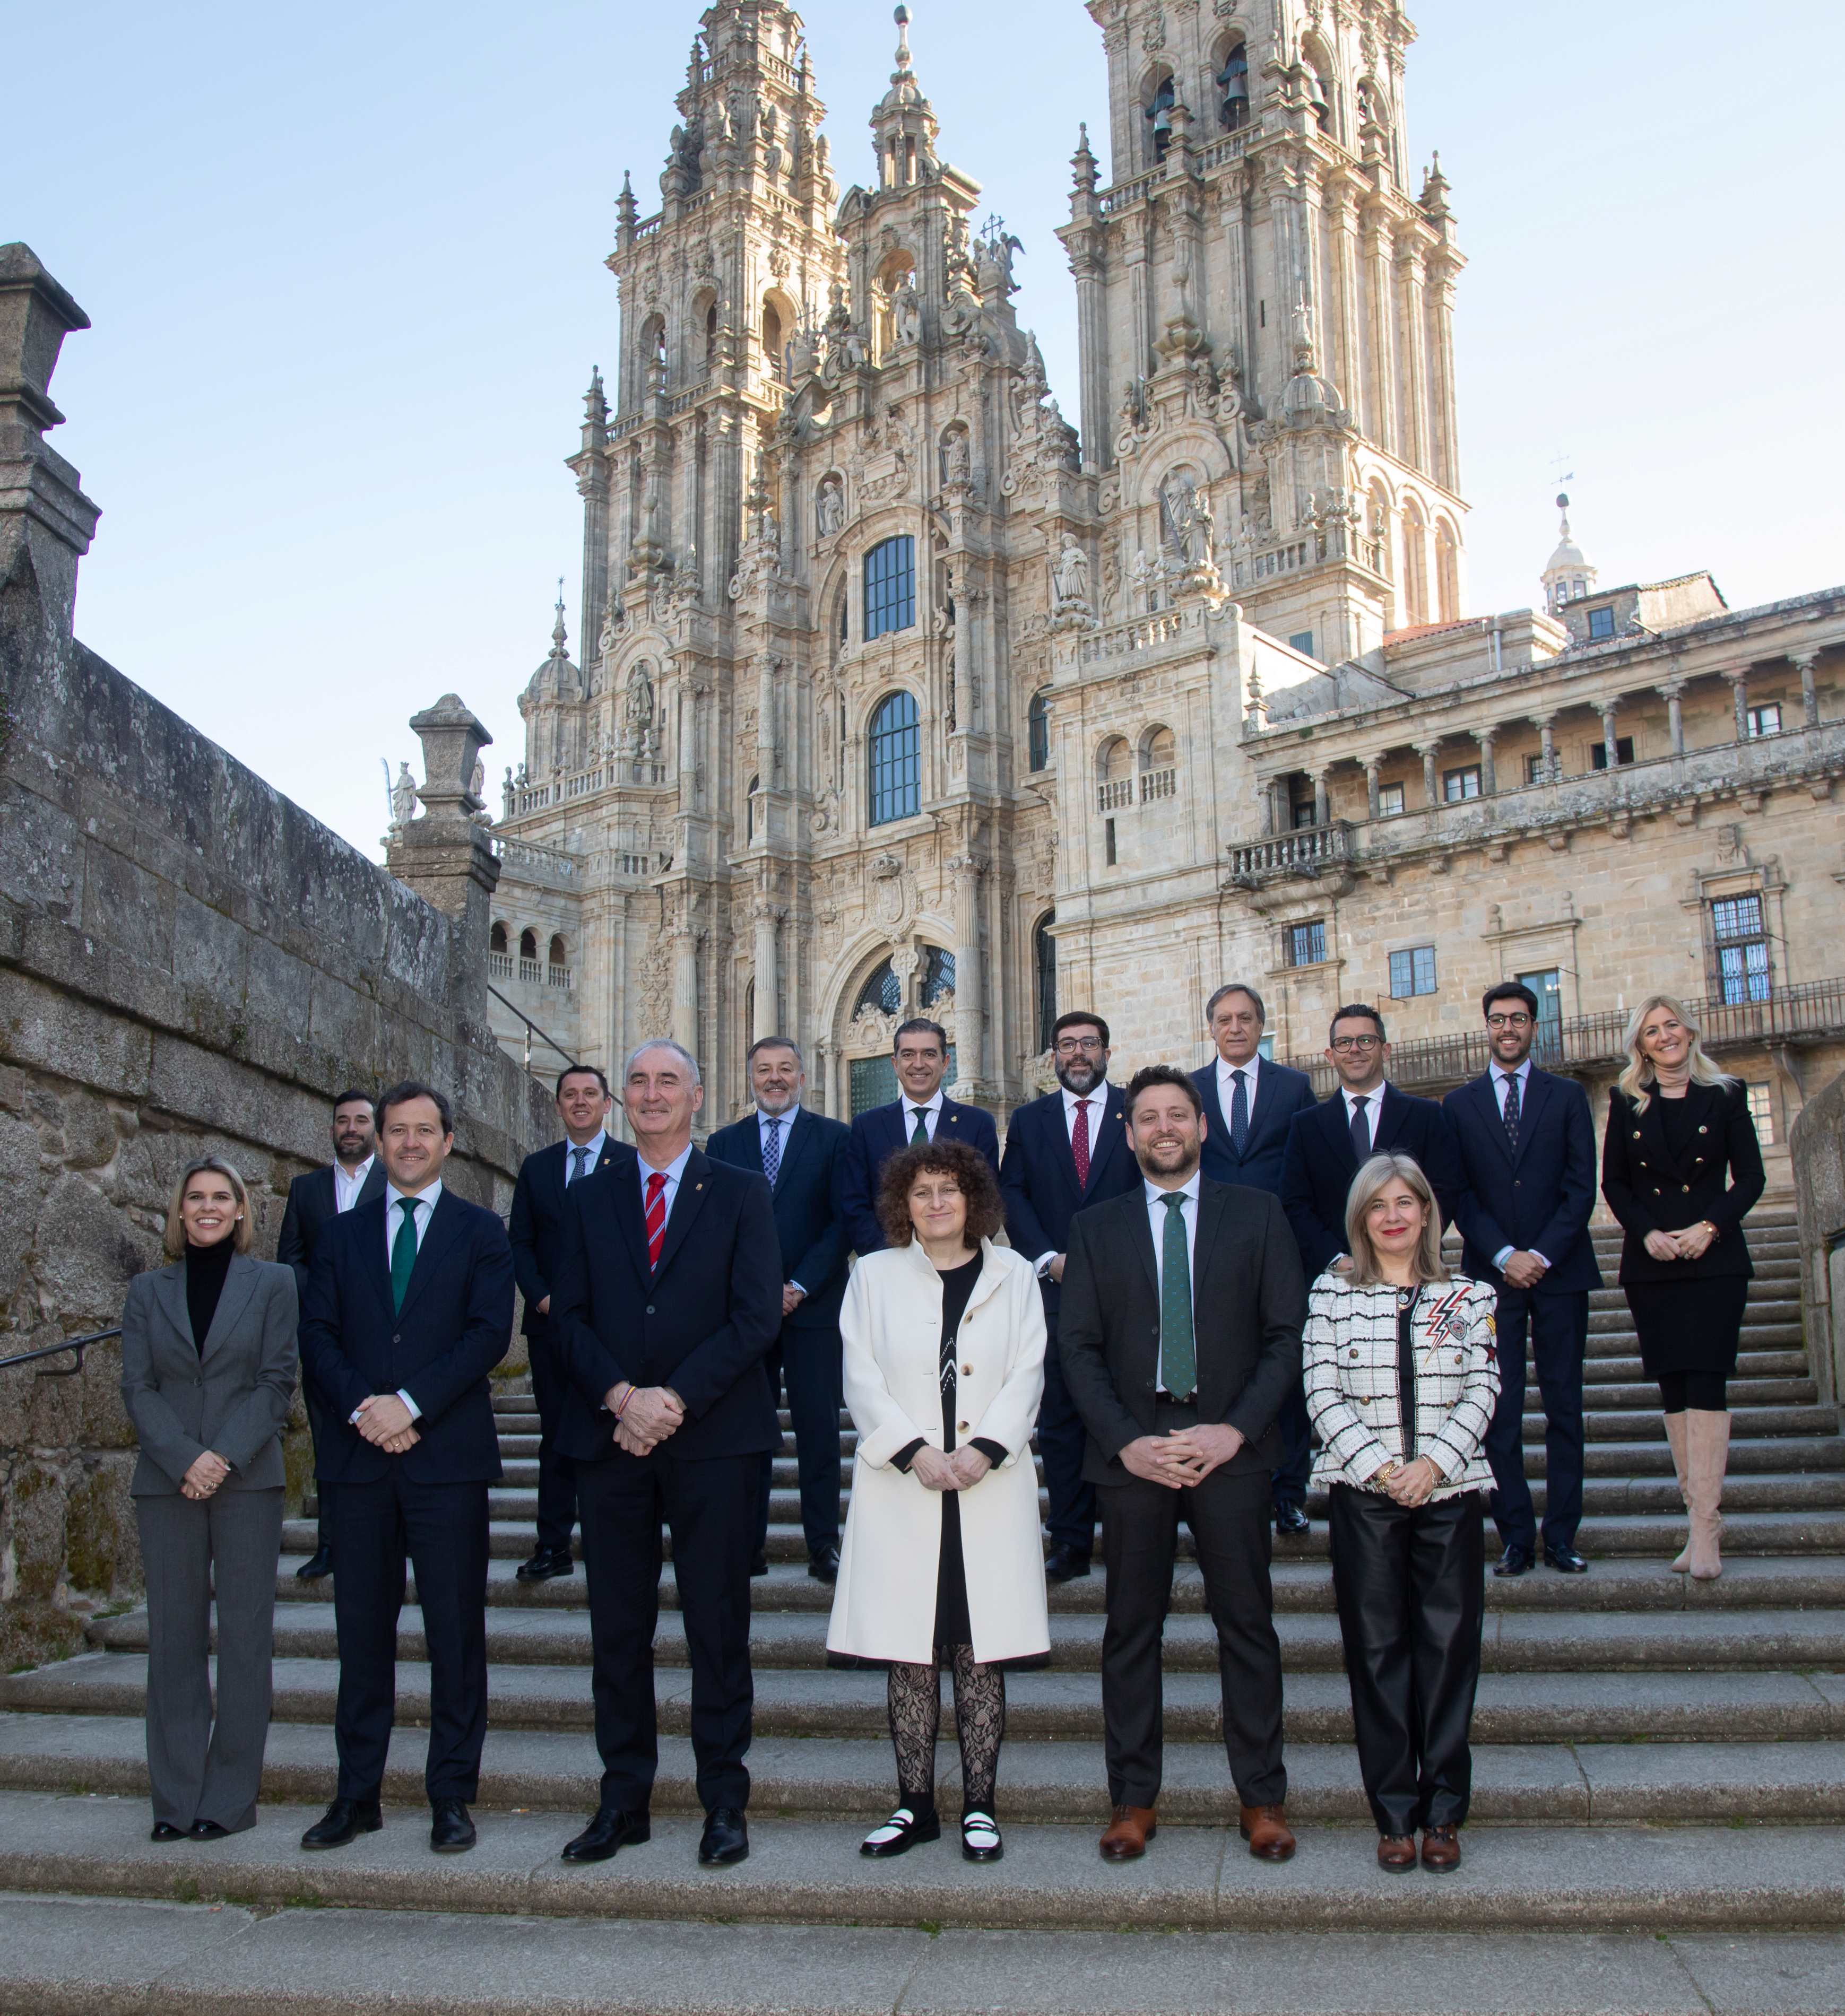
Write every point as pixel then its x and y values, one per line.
pixel 1038 1178
pixel 1248 1302
pixel 701 1323
pixel 1538 1198
pixel 535 1228
pixel 808 1226
pixel 313 1203
pixel 877 1135
pixel 1317 1170
pixel 1281 1093
pixel 454 1327
pixel 1718 1176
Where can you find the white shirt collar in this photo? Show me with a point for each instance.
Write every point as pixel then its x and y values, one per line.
pixel 932 1105
pixel 1521 1071
pixel 392 1197
pixel 1375 1096
pixel 592 1148
pixel 1249 1071
pixel 352 1182
pixel 1187 1189
pixel 781 1119
pixel 672 1173
pixel 1096 1098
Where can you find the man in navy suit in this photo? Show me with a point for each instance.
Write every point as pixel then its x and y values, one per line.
pixel 535 1229
pixel 355 1175
pixel 798 1153
pixel 1064 1152
pixel 409 1308
pixel 1366 1116
pixel 1528 1146
pixel 666 1299
pixel 923 1114
pixel 1249 1102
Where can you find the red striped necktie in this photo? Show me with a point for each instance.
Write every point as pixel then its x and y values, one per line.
pixel 1079 1142
pixel 656 1215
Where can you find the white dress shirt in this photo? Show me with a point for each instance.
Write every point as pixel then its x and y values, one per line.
pixel 394 1218
pixel 1375 1106
pixel 1501 1079
pixel 1097 1101
pixel 1156 1218
pixel 347 1186
pixel 931 1110
pixel 1227 1091
pixel 591 1150
pixel 786 1122
pixel 672 1173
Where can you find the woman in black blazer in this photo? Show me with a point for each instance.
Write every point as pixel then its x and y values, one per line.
pixel 1681 1168
pixel 208 1376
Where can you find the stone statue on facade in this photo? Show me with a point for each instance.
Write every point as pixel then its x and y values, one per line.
pixel 830 507
pixel 639 712
pixel 1069 574
pixel 957 461
pixel 906 314
pixel 403 797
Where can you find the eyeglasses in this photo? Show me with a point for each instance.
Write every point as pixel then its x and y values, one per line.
pixel 1072 1046
pixel 1520 1020
pixel 1355 1043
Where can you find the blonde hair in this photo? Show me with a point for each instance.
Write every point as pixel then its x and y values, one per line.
pixel 173 1239
pixel 1367 1185
pixel 1637 1074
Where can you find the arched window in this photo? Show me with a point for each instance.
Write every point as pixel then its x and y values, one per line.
pixel 772 340
pixel 557 960
pixel 1318 79
pixel 1038 732
pixel 711 333
pixel 890 586
pixel 749 810
pixel 937 977
pixel 1415 565
pixel 1114 774
pixel 1157 114
pixel 1044 947
pixel 1233 90
pixel 496 939
pixel 842 628
pixel 883 992
pixel 528 944
pixel 894 760
pixel 1159 764
pixel 1447 570
pixel 653 343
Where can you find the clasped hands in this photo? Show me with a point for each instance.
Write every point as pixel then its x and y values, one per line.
pixel 1186 1456
pixel 387 1423
pixel 645 1416
pixel 208 1470
pixel 936 1470
pixel 1690 1242
pixel 1410 1483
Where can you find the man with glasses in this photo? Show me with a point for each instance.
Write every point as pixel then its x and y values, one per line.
pixel 1064 1152
pixel 1367 1116
pixel 1527 1146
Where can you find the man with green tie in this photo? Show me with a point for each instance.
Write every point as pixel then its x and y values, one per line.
pixel 1179 1335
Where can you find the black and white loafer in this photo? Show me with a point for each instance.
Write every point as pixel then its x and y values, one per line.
pixel 980 1837
pixel 901 1833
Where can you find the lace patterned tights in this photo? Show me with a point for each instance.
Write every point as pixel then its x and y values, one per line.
pixel 980 1716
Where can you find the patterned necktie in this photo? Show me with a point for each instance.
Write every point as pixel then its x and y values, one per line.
pixel 656 1215
pixel 772 1152
pixel 919 1136
pixel 1239 1111
pixel 577 1156
pixel 1079 1144
pixel 1360 1130
pixel 403 1252
pixel 1178 1350
pixel 1509 1113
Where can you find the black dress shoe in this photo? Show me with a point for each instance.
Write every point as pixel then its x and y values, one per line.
pixel 1291 1519
pixel 758 1564
pixel 318 1563
pixel 725 1838
pixel 342 1820
pixel 824 1566
pixel 1566 1560
pixel 206 1830
pixel 612 1828
pixel 451 1832
pixel 1065 1564
pixel 166 1831
pixel 1514 1561
pixel 546 1564
pixel 904 1829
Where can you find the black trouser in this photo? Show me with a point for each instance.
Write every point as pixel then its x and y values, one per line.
pixel 556 1479
pixel 443 1529
pixel 710 1506
pixel 323 1536
pixel 1288 1484
pixel 1062 1440
pixel 1228 1514
pixel 1408 1584
pixel 810 1364
pixel 1559 1330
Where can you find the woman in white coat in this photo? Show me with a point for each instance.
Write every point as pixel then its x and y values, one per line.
pixel 944 1343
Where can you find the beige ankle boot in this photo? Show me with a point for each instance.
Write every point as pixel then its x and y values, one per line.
pixel 1708 1436
pixel 1675 1434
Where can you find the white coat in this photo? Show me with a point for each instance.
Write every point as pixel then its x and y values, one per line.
pixel 891 1324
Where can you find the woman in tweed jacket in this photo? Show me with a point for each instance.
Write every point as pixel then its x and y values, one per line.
pixel 1401 1374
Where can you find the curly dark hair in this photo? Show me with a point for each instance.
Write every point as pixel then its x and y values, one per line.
pixel 973 1176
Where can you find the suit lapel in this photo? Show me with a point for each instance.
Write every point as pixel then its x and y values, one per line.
pixel 1111 1137
pixel 1537 1091
pixel 445 1226
pixel 1262 1113
pixel 1392 1110
pixel 373 1186
pixel 1485 1099
pixel 240 1285
pixel 1338 1123
pixel 1211 1203
pixel 1652 1124
pixel 1139 1232
pixel 793 1147
pixel 169 1289
pixel 1217 1120
pixel 688 1201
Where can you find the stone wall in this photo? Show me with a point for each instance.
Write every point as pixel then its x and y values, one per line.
pixel 1819 1189
pixel 188 963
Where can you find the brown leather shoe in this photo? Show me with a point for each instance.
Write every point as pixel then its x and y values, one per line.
pixel 1441 1849
pixel 1128 1834
pixel 1268 1834
pixel 1396 1852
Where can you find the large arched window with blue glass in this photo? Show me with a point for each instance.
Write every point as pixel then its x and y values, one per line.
pixel 890 586
pixel 895 759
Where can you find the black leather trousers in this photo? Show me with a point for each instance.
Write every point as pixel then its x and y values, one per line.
pixel 1409 1584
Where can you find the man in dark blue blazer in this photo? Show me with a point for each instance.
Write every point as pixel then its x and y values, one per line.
pixel 355 1175
pixel 666 1299
pixel 1064 1152
pixel 536 1230
pixel 409 1309
pixel 1528 1146
pixel 798 1153
pixel 1367 1112
pixel 921 1050
pixel 1249 1103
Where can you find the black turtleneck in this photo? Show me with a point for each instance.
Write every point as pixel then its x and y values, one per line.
pixel 206 1267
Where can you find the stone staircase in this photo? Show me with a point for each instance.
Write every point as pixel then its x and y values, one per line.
pixel 1660 1789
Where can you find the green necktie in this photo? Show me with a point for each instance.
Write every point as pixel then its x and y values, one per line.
pixel 920 1137
pixel 1178 1353
pixel 403 1252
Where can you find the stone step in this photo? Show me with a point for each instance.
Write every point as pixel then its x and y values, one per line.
pixel 1194 1878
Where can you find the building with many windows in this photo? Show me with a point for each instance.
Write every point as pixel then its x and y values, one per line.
pixel 900 693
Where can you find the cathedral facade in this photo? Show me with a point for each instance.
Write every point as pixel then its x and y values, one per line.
pixel 900 693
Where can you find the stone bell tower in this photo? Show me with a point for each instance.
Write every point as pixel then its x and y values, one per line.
pixel 1265 313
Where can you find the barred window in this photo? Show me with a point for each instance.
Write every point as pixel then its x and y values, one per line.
pixel 1306 943
pixel 1038 732
pixel 1046 948
pixel 895 760
pixel 1412 972
pixel 883 992
pixel 1741 939
pixel 1761 1111
pixel 890 586
pixel 938 975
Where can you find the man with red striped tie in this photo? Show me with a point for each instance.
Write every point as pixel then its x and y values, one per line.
pixel 666 1297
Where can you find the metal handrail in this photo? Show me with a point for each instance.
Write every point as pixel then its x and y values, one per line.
pixel 532 1028
pixel 79 1344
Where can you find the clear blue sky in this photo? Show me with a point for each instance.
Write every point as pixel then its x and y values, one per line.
pixel 344 266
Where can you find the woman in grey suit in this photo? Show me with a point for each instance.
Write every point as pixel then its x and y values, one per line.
pixel 208 1373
